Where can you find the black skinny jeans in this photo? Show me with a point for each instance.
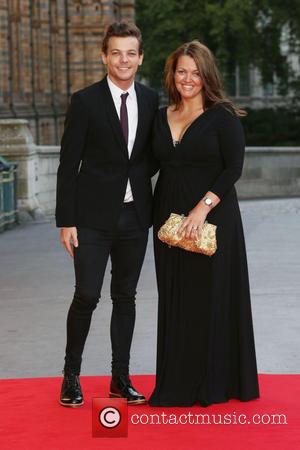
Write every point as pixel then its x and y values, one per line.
pixel 126 246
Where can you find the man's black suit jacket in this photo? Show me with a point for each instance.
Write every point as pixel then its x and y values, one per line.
pixel 94 163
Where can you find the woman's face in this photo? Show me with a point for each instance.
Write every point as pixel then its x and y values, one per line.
pixel 187 77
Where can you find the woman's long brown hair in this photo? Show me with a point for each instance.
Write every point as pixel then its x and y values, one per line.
pixel 212 90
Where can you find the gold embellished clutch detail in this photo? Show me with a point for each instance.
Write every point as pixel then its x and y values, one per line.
pixel 206 244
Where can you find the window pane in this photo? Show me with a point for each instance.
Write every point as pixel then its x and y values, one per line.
pixel 244 81
pixel 268 89
pixel 230 84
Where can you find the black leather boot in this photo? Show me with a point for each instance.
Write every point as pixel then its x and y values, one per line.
pixel 71 394
pixel 121 387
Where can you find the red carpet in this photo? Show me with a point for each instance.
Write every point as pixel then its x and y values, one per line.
pixel 31 418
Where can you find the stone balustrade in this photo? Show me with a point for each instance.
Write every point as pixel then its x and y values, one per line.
pixel 268 171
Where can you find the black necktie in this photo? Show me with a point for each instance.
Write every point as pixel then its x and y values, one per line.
pixel 124 116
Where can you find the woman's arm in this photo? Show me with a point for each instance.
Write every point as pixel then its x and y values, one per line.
pixel 232 147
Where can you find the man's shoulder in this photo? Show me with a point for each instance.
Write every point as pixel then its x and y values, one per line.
pixel 146 90
pixel 88 91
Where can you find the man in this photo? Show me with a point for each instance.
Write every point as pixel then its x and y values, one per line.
pixel 104 203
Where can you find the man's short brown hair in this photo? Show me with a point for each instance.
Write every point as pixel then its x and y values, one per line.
pixel 122 29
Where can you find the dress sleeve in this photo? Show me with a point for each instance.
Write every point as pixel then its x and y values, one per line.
pixel 232 147
pixel 72 145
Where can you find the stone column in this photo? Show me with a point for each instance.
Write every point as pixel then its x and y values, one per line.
pixel 16 145
pixel 127 10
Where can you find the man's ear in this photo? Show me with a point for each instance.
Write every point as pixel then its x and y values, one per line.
pixel 141 59
pixel 104 58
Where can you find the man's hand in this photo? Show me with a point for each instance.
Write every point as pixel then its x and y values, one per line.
pixel 68 238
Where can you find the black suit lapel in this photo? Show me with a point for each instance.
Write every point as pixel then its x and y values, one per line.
pixel 113 116
pixel 142 108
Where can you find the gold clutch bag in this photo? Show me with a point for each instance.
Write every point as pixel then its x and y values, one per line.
pixel 206 244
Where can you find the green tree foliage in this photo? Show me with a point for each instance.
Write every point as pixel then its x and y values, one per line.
pixel 237 31
pixel 269 126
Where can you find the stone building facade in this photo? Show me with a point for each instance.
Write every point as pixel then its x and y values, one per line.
pixel 49 49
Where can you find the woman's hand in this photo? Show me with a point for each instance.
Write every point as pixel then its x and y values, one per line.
pixel 193 224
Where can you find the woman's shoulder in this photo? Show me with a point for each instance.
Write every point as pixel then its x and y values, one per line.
pixel 162 110
pixel 226 115
pixel 160 114
pixel 223 109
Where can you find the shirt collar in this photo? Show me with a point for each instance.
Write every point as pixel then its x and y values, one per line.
pixel 116 91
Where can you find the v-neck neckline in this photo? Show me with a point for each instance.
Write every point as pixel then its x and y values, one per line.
pixel 178 142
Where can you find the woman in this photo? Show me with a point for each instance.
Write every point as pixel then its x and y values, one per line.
pixel 206 349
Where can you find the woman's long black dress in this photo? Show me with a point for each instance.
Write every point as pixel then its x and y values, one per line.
pixel 205 350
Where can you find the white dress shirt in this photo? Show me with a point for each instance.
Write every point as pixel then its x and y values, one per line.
pixel 132 110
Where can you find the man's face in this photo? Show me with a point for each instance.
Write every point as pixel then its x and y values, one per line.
pixel 122 59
